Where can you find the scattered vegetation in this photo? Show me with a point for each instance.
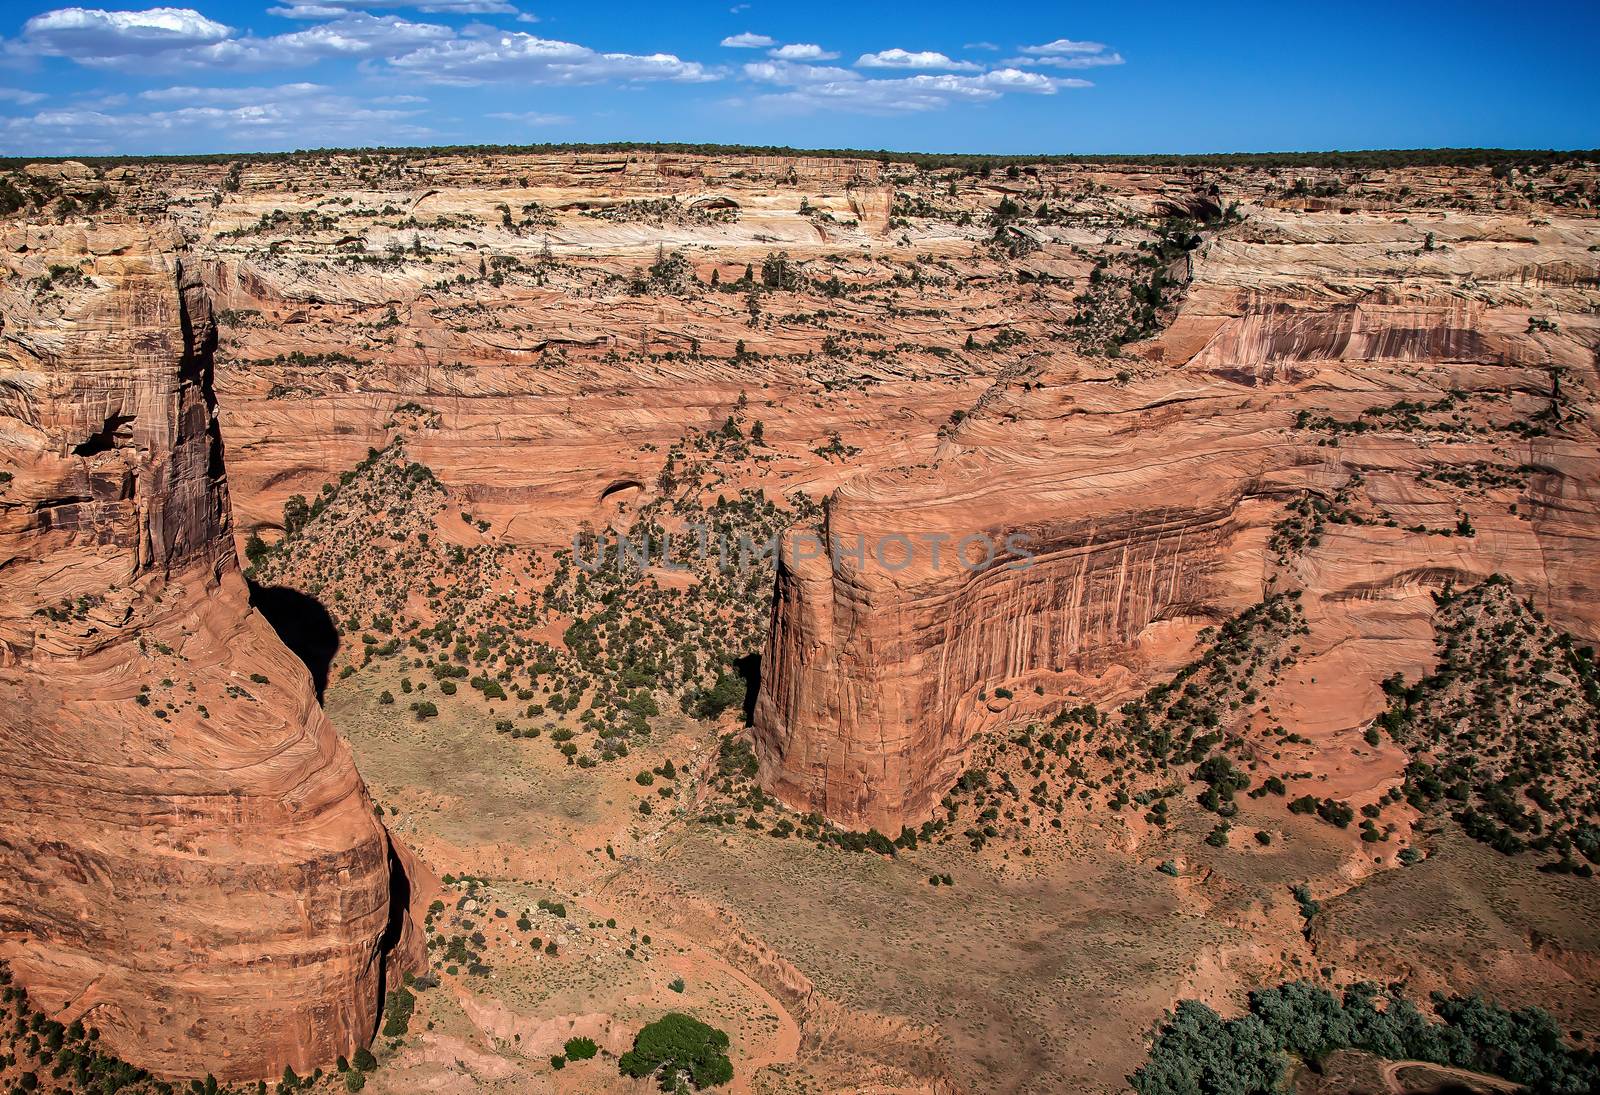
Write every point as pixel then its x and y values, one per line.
pixel 1502 731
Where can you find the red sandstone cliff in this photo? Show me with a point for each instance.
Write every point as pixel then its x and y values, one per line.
pixel 188 858
pixel 1150 496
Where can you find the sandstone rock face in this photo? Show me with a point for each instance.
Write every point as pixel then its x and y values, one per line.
pixel 188 858
pixel 501 311
pixel 1316 355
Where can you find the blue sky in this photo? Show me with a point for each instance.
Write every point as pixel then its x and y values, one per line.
pixel 237 75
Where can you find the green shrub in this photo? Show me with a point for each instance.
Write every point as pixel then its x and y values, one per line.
pixel 397 1013
pixel 1198 1051
pixel 678 1046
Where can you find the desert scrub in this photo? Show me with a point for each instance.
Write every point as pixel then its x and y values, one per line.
pixel 1501 730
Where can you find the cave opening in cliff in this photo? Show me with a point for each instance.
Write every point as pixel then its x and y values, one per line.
pixel 621 488
pixel 305 626
pixel 117 427
pixel 749 670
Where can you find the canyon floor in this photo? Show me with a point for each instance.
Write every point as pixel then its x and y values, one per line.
pixel 835 970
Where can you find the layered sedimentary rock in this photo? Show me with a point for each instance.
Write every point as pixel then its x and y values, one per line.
pixel 188 858
pixel 541 328
pixel 1416 392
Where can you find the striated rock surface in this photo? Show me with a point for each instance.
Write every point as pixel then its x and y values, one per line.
pixel 188 858
pixel 1443 427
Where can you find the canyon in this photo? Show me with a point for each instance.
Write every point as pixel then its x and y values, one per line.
pixel 1256 427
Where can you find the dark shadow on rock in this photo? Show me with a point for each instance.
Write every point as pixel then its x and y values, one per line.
pixel 399 902
pixel 303 624
pixel 749 669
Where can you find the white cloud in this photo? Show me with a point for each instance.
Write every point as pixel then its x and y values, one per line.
pixel 510 55
pixel 354 36
pixel 532 117
pixel 308 11
pixel 900 58
pixel 1078 60
pixel 212 119
pixel 748 41
pixel 1065 46
pixel 980 45
pixel 93 36
pixel 20 97
pixel 432 7
pixel 180 38
pixel 813 88
pixel 785 72
pixel 223 96
pixel 1011 79
pixel 801 51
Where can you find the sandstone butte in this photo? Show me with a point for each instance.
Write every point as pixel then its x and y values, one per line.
pixel 497 311
pixel 188 858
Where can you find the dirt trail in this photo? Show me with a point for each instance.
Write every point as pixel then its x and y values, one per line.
pixel 1390 1070
pixel 785 1044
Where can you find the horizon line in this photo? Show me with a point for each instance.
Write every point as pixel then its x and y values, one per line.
pixel 1444 155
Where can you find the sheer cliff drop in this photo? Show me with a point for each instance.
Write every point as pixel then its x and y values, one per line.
pixel 188 859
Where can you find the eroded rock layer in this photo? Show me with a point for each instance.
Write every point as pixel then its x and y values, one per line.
pixel 1440 425
pixel 188 858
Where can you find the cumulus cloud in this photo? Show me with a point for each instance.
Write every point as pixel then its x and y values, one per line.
pixel 787 72
pixel 801 51
pixel 812 88
pixel 180 38
pixel 1067 53
pixel 92 36
pixel 507 55
pixel 357 35
pixel 186 44
pixel 1063 46
pixel 900 58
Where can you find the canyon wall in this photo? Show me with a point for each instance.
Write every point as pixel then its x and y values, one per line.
pixel 188 858
pixel 1321 357
pixel 541 327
